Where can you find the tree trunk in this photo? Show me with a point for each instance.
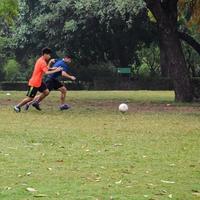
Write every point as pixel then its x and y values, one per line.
pixel 164 65
pixel 163 60
pixel 177 66
pixel 165 13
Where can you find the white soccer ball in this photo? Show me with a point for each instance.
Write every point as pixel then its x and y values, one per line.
pixel 123 107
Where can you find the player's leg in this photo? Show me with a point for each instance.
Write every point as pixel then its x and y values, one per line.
pixel 32 91
pixel 31 102
pixel 63 92
pixel 63 105
pixel 44 92
pixel 46 88
pixel 59 86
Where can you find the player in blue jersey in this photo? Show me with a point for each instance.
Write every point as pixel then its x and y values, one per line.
pixel 53 82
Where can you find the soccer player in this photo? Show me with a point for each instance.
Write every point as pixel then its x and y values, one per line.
pixel 35 84
pixel 53 82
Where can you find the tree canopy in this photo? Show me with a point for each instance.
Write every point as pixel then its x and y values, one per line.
pixel 95 31
pixel 8 10
pixel 190 11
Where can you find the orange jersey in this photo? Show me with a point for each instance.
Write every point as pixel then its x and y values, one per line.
pixel 39 69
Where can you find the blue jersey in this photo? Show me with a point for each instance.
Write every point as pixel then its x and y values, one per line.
pixel 59 63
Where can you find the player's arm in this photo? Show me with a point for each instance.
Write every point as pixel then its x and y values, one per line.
pixel 66 75
pixel 46 68
pixel 52 68
pixel 50 63
pixel 58 69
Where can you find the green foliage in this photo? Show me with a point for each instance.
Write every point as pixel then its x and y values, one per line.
pixel 8 10
pixel 70 26
pixel 96 31
pixel 148 64
pixel 151 17
pixel 11 69
pixel 144 71
pixel 193 60
pixel 3 42
pixel 130 6
pixel 101 70
pixel 3 54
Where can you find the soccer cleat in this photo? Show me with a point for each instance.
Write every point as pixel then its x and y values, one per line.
pixel 64 107
pixel 36 106
pixel 26 107
pixel 17 109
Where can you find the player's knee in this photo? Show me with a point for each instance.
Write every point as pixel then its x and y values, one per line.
pixel 64 90
pixel 46 92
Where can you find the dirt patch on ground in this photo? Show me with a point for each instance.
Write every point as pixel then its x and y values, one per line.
pixel 113 105
pixel 146 107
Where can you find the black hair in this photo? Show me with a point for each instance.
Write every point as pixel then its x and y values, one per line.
pixel 46 50
pixel 68 56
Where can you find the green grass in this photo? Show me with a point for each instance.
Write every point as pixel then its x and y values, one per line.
pixel 94 152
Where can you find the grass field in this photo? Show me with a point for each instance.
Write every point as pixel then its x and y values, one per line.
pixel 93 152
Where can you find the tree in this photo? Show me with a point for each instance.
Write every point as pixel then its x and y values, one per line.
pixel 189 14
pixel 11 68
pixel 105 31
pixel 166 13
pixel 149 58
pixel 8 10
pixel 188 25
pixel 189 10
pixel 95 31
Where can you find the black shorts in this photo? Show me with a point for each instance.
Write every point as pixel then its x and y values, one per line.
pixel 53 84
pixel 32 91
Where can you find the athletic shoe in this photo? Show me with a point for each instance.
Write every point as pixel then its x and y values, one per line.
pixel 17 109
pixel 26 107
pixel 64 107
pixel 36 106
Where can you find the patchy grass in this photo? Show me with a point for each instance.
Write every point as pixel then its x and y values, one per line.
pixel 94 152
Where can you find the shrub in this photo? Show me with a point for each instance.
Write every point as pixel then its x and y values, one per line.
pixel 11 69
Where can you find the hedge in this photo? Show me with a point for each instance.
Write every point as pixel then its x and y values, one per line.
pixel 111 84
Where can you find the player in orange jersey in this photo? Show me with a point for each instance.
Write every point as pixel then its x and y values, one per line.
pixel 35 84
